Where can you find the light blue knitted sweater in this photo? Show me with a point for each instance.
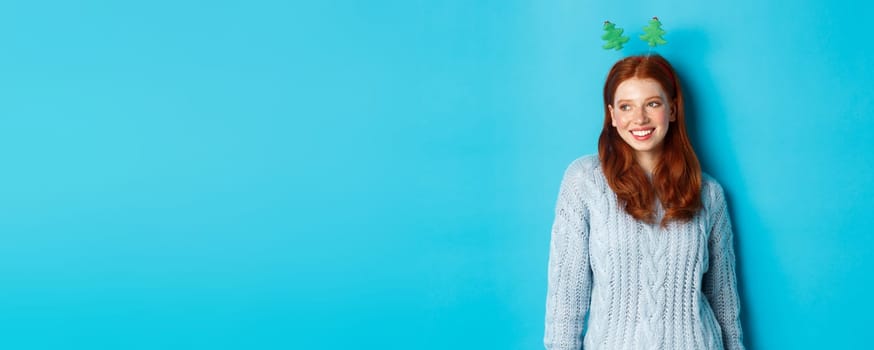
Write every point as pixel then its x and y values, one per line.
pixel 643 287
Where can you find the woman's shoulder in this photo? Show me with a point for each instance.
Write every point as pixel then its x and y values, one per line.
pixel 583 166
pixel 586 163
pixel 584 170
pixel 712 192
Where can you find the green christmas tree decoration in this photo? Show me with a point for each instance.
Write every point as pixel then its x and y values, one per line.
pixel 613 36
pixel 653 33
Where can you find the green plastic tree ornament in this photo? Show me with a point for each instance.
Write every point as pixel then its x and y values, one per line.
pixel 613 36
pixel 653 33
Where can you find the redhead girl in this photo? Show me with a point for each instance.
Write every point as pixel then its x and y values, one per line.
pixel 641 253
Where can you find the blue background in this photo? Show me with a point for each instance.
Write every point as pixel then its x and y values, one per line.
pixel 382 175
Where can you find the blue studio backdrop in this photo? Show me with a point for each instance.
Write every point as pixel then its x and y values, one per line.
pixel 382 175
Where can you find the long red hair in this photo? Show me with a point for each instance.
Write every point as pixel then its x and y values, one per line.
pixel 676 179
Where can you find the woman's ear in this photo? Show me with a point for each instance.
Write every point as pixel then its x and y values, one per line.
pixel 612 120
pixel 673 111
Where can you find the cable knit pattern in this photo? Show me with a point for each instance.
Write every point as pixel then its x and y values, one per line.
pixel 635 285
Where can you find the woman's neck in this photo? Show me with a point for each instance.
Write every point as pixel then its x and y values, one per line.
pixel 647 161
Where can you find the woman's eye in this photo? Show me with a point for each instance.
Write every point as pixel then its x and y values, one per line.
pixel 654 104
pixel 624 107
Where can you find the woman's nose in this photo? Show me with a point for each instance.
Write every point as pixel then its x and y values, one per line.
pixel 641 117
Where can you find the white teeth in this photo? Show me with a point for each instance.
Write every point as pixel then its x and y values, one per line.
pixel 642 132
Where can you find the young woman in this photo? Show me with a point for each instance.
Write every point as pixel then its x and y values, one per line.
pixel 642 240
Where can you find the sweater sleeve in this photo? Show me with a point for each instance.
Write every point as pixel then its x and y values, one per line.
pixel 569 274
pixel 720 280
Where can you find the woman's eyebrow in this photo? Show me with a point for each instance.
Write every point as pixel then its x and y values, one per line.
pixel 630 100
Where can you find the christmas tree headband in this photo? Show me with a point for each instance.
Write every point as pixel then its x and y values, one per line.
pixel 652 35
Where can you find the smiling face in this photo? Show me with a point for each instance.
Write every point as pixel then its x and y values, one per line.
pixel 641 114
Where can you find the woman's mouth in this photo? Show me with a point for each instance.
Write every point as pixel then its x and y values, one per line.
pixel 642 135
